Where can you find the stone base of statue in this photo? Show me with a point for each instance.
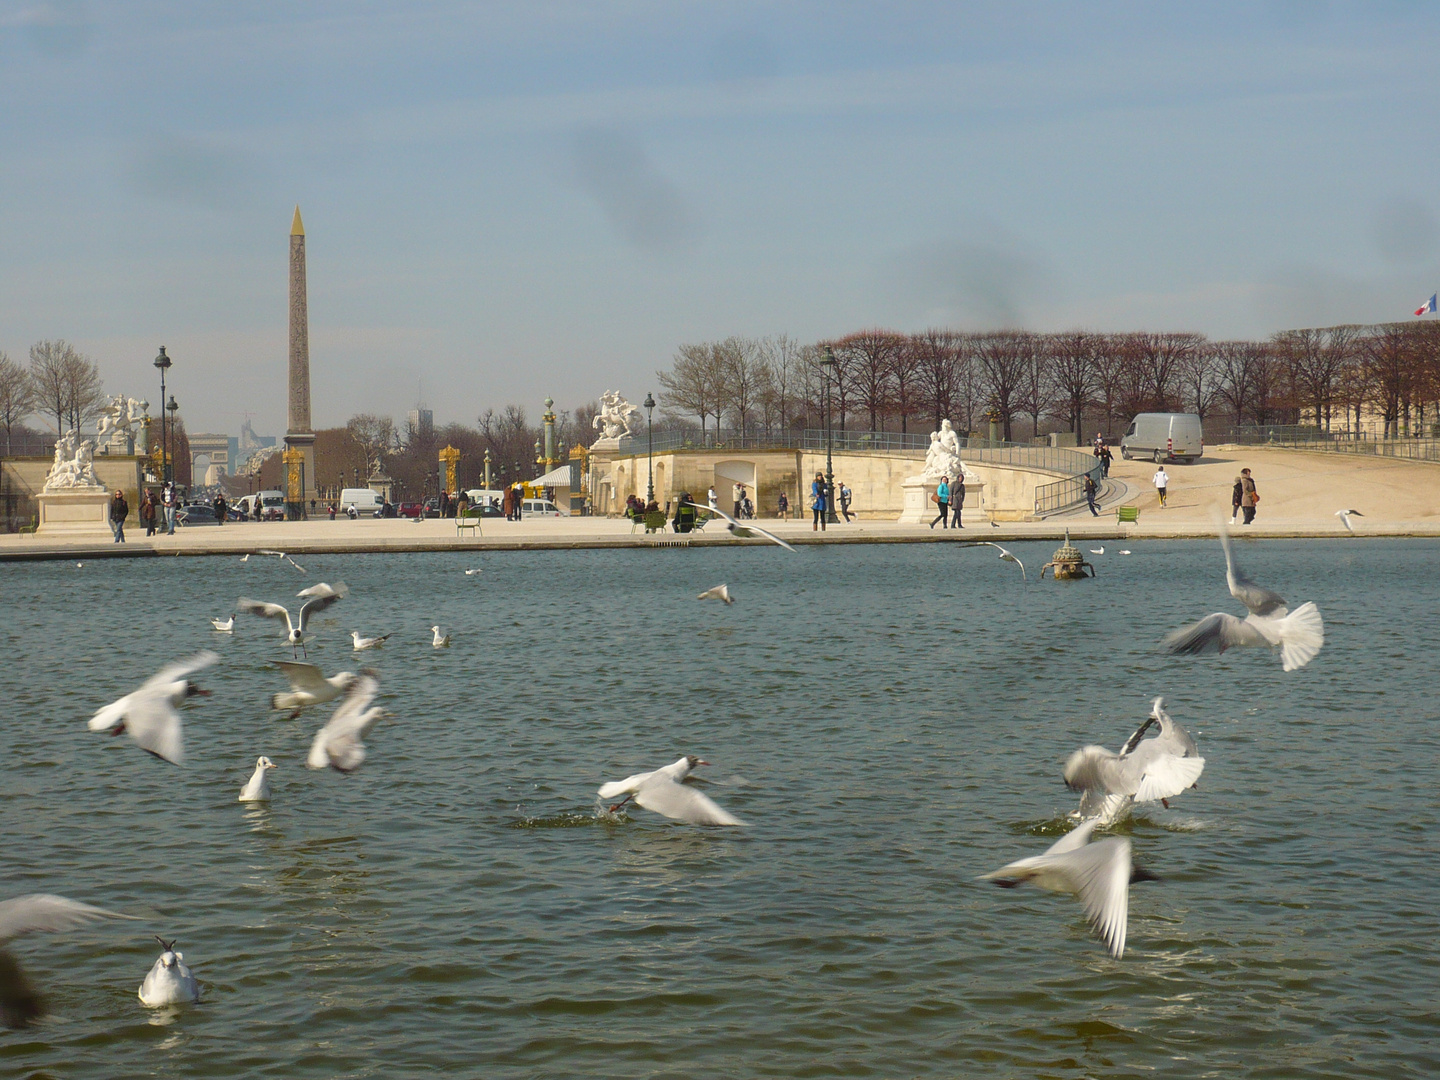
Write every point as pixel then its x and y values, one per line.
pixel 79 512
pixel 119 445
pixel 919 509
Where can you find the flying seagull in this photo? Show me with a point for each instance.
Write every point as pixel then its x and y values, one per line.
pixel 744 532
pixel 719 592
pixel 1144 770
pixel 320 596
pixel 308 686
pixel 340 744
pixel 1004 554
pixel 149 716
pixel 1298 634
pixel 225 627
pixel 39 913
pixel 1098 874
pixel 281 556
pixel 665 792
pixel 440 641
pixel 257 788
pixel 1345 516
pixel 362 643
pixel 169 981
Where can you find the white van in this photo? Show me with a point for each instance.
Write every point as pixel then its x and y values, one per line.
pixel 268 500
pixel 365 501
pixel 484 496
pixel 539 508
pixel 1164 437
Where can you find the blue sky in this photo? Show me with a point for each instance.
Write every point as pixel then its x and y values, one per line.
pixel 505 201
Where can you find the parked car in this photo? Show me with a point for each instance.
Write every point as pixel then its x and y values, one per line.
pixel 432 508
pixel 539 508
pixel 411 509
pixel 196 514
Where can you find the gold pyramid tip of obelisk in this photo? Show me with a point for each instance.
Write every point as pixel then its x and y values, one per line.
pixel 297 227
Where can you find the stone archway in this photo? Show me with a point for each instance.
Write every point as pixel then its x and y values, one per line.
pixel 734 471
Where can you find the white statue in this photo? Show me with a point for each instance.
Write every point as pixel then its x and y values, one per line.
pixel 943 457
pixel 74 465
pixel 615 416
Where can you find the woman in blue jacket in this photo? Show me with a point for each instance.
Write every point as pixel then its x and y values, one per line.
pixel 942 497
pixel 817 502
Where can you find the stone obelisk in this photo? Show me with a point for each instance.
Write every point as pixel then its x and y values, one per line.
pixel 298 432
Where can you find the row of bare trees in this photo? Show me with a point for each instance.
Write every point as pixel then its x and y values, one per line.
pixel 60 383
pixel 1341 377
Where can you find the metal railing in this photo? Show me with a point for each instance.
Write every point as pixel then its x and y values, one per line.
pixel 1063 494
pixel 1417 448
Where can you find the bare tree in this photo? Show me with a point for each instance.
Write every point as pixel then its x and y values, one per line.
pixel 17 398
pixel 1198 379
pixel 693 386
pixel 1239 367
pixel 1072 369
pixel 1003 358
pixel 48 379
pixel 1035 389
pixel 1390 353
pixel 780 358
pixel 936 371
pixel 869 360
pixel 740 373
pixel 375 436
pixel 1158 358
pixel 84 391
pixel 1110 369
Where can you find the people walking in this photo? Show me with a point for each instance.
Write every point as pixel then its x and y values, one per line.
pixel 1248 496
pixel 817 502
pixel 957 500
pixel 711 499
pixel 221 509
pixel 1161 480
pixel 942 500
pixel 119 511
pixel 168 501
pixel 1237 495
pixel 845 501
pixel 782 506
pixel 739 493
pixel 1090 489
pixel 147 512
pixel 1105 456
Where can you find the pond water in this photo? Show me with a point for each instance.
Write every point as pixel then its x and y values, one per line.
pixel 890 720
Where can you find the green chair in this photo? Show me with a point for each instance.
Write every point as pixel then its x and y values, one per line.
pixel 1129 514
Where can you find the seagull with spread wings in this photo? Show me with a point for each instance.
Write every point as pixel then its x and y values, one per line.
pixel 1098 874
pixel 308 686
pixel 744 532
pixel 281 556
pixel 319 596
pixel 665 792
pixel 1005 554
pixel 39 913
pixel 150 714
pixel 1345 516
pixel 1298 634
pixel 1143 771
pixel 340 744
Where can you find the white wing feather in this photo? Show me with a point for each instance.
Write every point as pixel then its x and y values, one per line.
pixel 682 803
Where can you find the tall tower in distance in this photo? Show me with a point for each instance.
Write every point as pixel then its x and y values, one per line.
pixel 298 432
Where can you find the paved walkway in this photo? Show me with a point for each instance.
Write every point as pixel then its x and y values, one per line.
pixel 1299 494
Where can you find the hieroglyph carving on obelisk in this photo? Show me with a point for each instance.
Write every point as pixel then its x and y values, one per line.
pixel 298 433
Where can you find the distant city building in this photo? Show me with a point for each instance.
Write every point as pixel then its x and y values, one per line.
pixel 248 444
pixel 420 421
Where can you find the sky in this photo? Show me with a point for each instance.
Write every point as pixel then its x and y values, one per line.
pixel 505 201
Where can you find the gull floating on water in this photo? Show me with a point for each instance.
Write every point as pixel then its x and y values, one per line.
pixel 320 596
pixel 1124 551
pixel 441 641
pixel 149 714
pixel 1345 516
pixel 1097 874
pixel 1298 634
pixel 719 592
pixel 744 532
pixel 257 788
pixel 39 913
pixel 169 982
pixel 308 686
pixel 362 643
pixel 340 744
pixel 1097 551
pixel 1144 770
pixel 1004 554
pixel 471 573
pixel 225 627
pixel 664 791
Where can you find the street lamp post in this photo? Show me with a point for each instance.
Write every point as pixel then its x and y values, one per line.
pixel 829 366
pixel 172 407
pixel 649 404
pixel 163 363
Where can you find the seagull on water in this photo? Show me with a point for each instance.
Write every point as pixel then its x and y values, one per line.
pixel 1345 516
pixel 281 556
pixel 1004 554
pixel 471 573
pixel 1124 551
pixel 308 686
pixel 1298 634
pixel 1098 551
pixel 257 788
pixel 719 592
pixel 320 597
pixel 441 641
pixel 744 532
pixel 169 982
pixel 340 744
pixel 664 791
pixel 362 643
pixel 226 627
pixel 1098 874
pixel 149 715
pixel 1144 770
pixel 39 913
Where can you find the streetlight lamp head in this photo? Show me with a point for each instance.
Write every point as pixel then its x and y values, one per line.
pixel 162 361
pixel 827 359
pixel 172 405
pixel 649 402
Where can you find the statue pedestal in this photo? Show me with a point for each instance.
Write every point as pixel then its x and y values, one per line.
pixel 74 512
pixel 919 509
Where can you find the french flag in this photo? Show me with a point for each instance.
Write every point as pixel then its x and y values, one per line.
pixel 1428 306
